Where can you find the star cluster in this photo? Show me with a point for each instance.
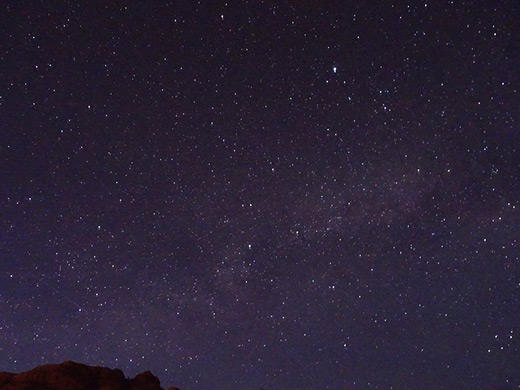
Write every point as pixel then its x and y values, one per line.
pixel 252 194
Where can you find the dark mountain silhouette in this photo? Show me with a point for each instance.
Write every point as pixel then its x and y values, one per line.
pixel 76 376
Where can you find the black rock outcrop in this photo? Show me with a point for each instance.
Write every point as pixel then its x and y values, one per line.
pixel 70 375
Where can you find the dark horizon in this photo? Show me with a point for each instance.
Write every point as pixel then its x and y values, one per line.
pixel 236 195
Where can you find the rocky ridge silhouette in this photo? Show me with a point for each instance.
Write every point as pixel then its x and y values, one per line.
pixel 71 375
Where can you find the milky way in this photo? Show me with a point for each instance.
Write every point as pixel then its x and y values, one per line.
pixel 242 195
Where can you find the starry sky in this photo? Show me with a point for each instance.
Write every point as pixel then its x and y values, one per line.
pixel 288 195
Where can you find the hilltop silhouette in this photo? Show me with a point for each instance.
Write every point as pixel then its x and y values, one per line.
pixel 71 375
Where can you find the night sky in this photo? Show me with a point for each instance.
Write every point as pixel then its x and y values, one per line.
pixel 323 195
